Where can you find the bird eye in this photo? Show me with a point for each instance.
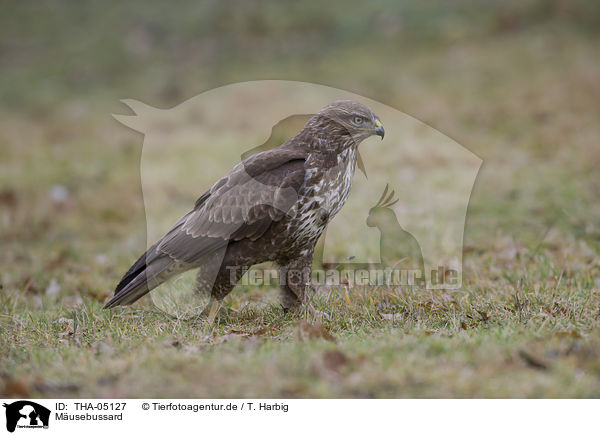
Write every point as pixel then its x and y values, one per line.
pixel 358 120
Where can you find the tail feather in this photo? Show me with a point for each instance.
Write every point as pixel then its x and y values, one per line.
pixel 142 277
pixel 138 267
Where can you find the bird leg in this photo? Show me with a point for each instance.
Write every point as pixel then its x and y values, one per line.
pixel 294 281
pixel 294 286
pixel 218 276
pixel 289 300
pixel 214 309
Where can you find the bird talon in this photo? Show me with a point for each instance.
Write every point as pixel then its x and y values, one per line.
pixel 214 310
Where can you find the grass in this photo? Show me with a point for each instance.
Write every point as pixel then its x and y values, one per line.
pixel 537 341
pixel 525 323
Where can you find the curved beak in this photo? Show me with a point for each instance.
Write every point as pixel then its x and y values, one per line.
pixel 379 130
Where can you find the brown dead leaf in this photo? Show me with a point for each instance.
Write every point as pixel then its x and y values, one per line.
pixel 533 361
pixel 100 296
pixel 557 309
pixel 8 198
pixel 360 359
pixel 28 284
pixel 484 315
pixel 260 331
pixel 239 332
pixel 463 325
pixel 335 360
pixel 57 260
pixel 568 334
pixel 305 330
pixel 16 388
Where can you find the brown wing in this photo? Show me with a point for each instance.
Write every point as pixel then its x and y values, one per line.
pixel 242 205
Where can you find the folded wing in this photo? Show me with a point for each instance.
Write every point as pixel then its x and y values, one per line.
pixel 242 205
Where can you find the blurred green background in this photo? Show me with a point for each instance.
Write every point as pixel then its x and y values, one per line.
pixel 509 80
pixel 516 82
pixel 55 51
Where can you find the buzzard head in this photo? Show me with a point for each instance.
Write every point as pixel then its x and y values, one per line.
pixel 348 118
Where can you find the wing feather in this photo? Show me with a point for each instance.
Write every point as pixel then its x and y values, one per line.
pixel 242 205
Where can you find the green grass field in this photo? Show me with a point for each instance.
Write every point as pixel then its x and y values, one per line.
pixel 517 85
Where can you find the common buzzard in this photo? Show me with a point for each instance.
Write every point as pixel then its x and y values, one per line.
pixel 273 206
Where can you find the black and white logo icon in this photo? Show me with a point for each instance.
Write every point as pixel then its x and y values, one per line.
pixel 25 414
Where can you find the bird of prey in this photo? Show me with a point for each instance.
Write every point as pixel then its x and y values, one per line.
pixel 273 206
